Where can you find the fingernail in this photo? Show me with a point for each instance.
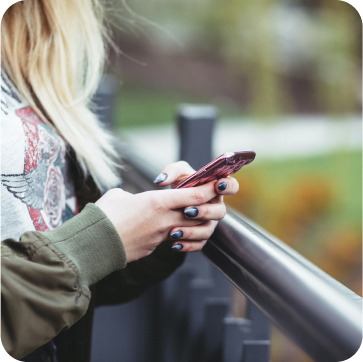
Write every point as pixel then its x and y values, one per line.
pixel 222 186
pixel 162 177
pixel 191 212
pixel 177 247
pixel 177 235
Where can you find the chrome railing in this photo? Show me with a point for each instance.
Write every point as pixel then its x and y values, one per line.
pixel 317 312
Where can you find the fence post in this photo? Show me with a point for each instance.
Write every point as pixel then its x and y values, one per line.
pixel 247 339
pixel 215 310
pixel 209 292
pixel 104 100
pixel 196 125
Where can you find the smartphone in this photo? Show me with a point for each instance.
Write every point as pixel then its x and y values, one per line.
pixel 223 166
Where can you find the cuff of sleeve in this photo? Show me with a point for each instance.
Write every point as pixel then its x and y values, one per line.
pixel 91 241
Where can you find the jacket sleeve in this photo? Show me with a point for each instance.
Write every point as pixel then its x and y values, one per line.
pixel 46 277
pixel 130 282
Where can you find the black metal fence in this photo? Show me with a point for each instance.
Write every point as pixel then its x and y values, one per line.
pixel 188 318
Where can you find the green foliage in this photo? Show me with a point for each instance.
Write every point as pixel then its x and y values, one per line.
pixel 264 43
pixel 339 173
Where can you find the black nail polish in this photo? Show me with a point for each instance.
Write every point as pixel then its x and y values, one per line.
pixel 177 234
pixel 222 186
pixel 162 177
pixel 191 212
pixel 177 247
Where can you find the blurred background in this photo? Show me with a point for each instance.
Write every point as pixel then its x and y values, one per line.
pixel 286 76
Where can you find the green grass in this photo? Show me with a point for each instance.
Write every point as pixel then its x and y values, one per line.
pixel 341 172
pixel 139 106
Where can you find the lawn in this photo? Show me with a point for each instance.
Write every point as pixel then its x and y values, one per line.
pixel 137 107
pixel 340 173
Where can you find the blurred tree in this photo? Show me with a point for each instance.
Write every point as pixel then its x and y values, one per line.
pixel 337 63
pixel 269 46
pixel 246 37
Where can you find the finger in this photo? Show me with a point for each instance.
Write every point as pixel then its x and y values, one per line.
pixel 196 233
pixel 227 186
pixel 215 211
pixel 217 200
pixel 189 246
pixel 177 218
pixel 180 198
pixel 176 171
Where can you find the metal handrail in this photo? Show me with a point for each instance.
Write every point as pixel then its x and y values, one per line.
pixel 317 312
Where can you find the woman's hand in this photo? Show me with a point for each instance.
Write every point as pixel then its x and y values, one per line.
pixel 193 238
pixel 144 220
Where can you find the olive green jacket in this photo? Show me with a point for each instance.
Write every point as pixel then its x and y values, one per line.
pixel 46 279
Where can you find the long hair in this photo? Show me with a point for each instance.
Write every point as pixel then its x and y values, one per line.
pixel 54 51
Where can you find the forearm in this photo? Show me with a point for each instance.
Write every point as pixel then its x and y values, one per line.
pixel 130 282
pixel 45 278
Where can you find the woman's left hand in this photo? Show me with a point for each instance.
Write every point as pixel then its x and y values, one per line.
pixel 194 238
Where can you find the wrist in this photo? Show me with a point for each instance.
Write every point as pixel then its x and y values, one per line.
pixel 90 240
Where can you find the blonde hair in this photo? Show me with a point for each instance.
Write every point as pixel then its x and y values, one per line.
pixel 54 51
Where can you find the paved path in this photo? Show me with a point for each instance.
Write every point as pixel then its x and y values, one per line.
pixel 290 138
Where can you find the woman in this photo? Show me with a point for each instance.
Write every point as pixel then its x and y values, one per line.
pixel 65 248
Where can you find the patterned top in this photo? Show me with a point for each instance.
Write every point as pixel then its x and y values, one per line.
pixel 37 192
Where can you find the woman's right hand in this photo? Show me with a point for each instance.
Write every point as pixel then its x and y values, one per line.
pixel 144 220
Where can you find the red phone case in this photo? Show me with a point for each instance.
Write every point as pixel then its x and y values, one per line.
pixel 223 166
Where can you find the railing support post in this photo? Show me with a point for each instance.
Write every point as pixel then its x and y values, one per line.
pixel 104 99
pixel 196 127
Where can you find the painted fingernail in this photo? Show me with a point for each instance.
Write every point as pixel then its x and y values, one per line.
pixel 177 235
pixel 177 247
pixel 191 212
pixel 222 186
pixel 162 177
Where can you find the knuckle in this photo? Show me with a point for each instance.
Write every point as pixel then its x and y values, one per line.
pixel 210 230
pixel 204 212
pixel 183 163
pixel 213 227
pixel 197 197
pixel 160 227
pixel 155 204
pixel 203 243
pixel 223 212
pixel 207 234
pixel 190 234
pixel 191 247
pixel 181 166
pixel 188 247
